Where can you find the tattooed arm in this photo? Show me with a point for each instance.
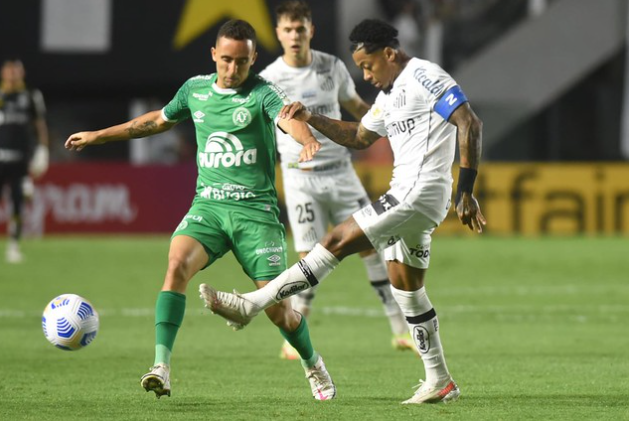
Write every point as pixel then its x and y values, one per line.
pixel 148 124
pixel 469 135
pixel 350 134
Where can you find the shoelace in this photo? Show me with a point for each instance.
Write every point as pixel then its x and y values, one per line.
pixel 318 376
pixel 418 386
pixel 228 300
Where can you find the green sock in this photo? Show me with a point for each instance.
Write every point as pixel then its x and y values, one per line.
pixel 300 340
pixel 169 311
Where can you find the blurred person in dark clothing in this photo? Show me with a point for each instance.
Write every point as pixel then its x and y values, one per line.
pixel 22 119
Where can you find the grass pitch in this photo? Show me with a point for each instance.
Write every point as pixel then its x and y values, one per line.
pixel 532 329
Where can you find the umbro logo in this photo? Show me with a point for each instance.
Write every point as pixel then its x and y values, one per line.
pixel 198 117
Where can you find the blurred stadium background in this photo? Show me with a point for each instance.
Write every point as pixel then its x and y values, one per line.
pixel 534 313
pixel 546 76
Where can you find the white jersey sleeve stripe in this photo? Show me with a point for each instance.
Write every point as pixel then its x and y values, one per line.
pixel 166 118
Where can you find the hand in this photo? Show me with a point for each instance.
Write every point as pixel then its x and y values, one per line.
pixel 78 141
pixel 309 150
pixel 469 213
pixel 295 110
pixel 39 163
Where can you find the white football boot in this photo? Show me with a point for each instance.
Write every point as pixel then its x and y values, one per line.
pixel 404 342
pixel 13 253
pixel 232 307
pixel 321 383
pixel 288 352
pixel 444 391
pixel 157 380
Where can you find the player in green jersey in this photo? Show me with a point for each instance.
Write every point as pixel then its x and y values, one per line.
pixel 235 207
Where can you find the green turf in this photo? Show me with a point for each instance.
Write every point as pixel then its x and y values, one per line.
pixel 534 329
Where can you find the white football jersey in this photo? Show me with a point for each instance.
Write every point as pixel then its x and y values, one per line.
pixel 423 142
pixel 319 86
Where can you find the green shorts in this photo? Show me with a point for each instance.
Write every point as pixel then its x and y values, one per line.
pixel 256 237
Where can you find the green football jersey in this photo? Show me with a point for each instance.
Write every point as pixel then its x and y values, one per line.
pixel 235 131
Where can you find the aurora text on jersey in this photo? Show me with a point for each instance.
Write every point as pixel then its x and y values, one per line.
pixel 235 131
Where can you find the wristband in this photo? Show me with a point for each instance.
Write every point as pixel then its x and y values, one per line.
pixel 467 176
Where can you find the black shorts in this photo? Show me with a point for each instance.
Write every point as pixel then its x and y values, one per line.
pixel 12 173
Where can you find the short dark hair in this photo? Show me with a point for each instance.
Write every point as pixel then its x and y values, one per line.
pixel 372 35
pixel 239 30
pixel 293 10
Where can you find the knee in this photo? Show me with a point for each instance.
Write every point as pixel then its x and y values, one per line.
pixel 178 266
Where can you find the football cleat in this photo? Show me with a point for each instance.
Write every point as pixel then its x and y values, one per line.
pixel 404 342
pixel 288 352
pixel 13 253
pixel 321 383
pixel 232 307
pixel 157 380
pixel 444 391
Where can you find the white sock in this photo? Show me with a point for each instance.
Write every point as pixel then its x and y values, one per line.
pixel 424 326
pixel 302 302
pixel 305 274
pixel 379 279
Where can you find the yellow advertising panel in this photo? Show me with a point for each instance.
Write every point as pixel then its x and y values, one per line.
pixel 537 199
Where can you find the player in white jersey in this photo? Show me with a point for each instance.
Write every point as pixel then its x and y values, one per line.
pixel 324 191
pixel 424 113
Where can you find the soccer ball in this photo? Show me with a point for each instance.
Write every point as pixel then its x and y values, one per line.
pixel 70 322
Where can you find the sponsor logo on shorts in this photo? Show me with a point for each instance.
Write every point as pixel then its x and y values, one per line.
pixel 184 222
pixel 274 260
pixel 223 149
pixel 272 249
pixel 422 339
pixel 367 212
pixel 392 240
pixel 292 289
pixel 420 251
pixel 384 203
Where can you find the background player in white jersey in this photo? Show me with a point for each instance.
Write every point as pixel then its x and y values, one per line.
pixel 22 119
pixel 235 207
pixel 424 112
pixel 326 190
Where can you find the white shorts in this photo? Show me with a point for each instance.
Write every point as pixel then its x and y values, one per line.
pixel 398 230
pixel 317 199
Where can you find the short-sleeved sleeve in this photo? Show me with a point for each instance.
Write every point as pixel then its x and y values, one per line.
pixel 438 89
pixel 177 109
pixel 347 88
pixel 39 106
pixel 374 119
pixel 273 99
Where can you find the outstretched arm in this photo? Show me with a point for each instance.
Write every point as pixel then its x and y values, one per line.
pixel 350 134
pixel 469 136
pixel 145 125
pixel 300 131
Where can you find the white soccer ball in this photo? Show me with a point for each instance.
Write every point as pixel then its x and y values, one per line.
pixel 70 322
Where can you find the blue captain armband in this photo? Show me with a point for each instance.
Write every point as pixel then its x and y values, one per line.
pixel 450 101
